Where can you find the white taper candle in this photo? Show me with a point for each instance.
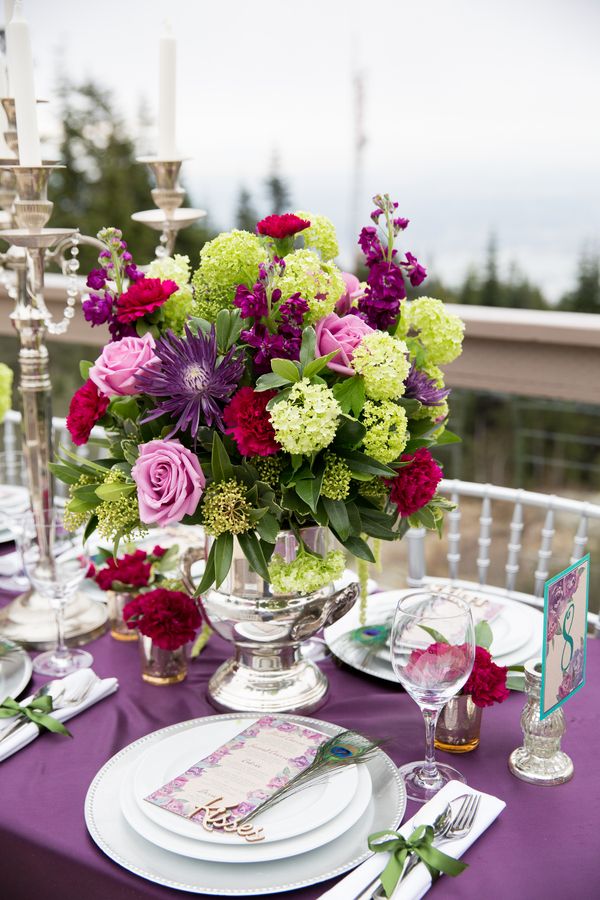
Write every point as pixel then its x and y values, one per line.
pixel 166 95
pixel 20 66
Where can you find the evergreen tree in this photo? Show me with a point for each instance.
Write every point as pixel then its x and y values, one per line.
pixel 278 192
pixel 586 295
pixel 470 290
pixel 490 288
pixel 246 217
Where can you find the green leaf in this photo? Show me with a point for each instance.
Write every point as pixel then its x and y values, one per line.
pixel 130 451
pixel 426 518
pixel 90 527
pixel 349 434
pixel 358 548
pixel 270 381
pixel 314 367
pixel 308 489
pixel 236 323
pixel 448 437
pixel 113 491
pixel 307 349
pixel 253 552
pixel 64 473
pixel 222 325
pixel 436 635
pixel 223 556
pixel 483 635
pixel 222 469
pixel 197 324
pixel 286 369
pixel 350 394
pixel 268 528
pixel 338 517
pixel 208 577
pixel 125 408
pixel 361 464
pixel 410 406
pixel 84 368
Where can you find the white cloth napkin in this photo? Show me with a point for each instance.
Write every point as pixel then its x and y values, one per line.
pixel 74 685
pixel 417 883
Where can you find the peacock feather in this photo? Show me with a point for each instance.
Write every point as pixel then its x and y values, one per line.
pixel 345 749
pixel 371 635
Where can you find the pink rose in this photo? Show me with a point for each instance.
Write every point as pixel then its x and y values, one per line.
pixel 170 482
pixel 115 370
pixel 342 334
pixel 353 292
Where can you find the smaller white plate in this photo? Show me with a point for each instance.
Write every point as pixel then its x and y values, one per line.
pixel 241 852
pixel 15 672
pixel 162 762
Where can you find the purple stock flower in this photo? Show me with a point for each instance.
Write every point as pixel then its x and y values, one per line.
pixel 98 308
pixel 424 389
pixel 119 330
pixel 252 303
pixel 370 245
pixel 96 279
pixel 416 272
pixel 400 224
pixel 190 380
pixel 268 346
pixel 381 301
pixel 133 273
pixel 293 310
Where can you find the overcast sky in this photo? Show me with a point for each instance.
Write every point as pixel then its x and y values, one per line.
pixel 480 115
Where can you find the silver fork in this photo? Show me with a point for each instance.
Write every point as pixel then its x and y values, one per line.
pixel 52 688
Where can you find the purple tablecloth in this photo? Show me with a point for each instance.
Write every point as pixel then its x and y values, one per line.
pixel 544 845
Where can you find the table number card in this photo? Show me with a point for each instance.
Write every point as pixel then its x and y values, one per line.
pixel 565 635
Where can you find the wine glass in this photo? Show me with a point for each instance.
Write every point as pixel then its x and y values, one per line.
pixel 55 561
pixel 432 653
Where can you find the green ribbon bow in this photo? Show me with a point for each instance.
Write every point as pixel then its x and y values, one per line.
pixel 400 848
pixel 37 712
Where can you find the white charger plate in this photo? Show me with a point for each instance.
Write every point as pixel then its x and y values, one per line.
pixel 521 643
pixel 236 851
pixel 110 831
pixel 15 672
pixel 173 756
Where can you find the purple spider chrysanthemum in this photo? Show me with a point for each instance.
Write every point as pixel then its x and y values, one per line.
pixel 424 389
pixel 194 386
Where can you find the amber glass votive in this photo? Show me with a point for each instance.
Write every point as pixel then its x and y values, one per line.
pixel 162 666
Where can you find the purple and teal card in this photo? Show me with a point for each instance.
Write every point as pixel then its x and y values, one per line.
pixel 566 599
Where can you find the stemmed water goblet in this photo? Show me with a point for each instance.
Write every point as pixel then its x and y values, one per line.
pixel 56 562
pixel 432 653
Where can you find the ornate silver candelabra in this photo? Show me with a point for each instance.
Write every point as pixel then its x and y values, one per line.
pixel 169 218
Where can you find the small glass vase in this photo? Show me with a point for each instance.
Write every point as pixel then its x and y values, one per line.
pixel 115 601
pixel 162 666
pixel 459 725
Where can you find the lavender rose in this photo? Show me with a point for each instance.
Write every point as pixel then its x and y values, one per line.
pixel 170 482
pixel 115 370
pixel 342 334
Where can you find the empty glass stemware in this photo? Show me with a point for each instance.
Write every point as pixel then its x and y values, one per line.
pixel 55 561
pixel 432 653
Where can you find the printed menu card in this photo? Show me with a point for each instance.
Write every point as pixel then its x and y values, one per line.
pixel 240 775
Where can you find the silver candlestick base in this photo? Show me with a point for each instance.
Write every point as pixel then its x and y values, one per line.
pixel 168 196
pixel 30 619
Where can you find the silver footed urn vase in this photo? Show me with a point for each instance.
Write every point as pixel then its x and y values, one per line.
pixel 268 673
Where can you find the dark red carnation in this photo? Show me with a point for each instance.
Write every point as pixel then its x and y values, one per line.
pixel 132 570
pixel 143 297
pixel 487 681
pixel 87 406
pixel 170 618
pixel 248 422
pixel 415 484
pixel 159 551
pixel 280 227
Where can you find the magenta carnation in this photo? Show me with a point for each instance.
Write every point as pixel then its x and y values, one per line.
pixel 86 407
pixel 143 297
pixel 248 422
pixel 416 483
pixel 170 618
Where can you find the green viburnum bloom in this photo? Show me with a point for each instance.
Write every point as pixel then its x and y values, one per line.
pixel 230 259
pixel 6 382
pixel 387 430
pixel 178 307
pixel 375 491
pixel 225 508
pixel 319 283
pixel 121 515
pixel 306 420
pixel 336 478
pixel 269 468
pixel 320 236
pixel 383 362
pixel 440 332
pixel 306 573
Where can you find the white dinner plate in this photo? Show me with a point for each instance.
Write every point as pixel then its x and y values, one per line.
pixel 519 628
pixel 15 672
pixel 237 851
pixel 173 756
pixel 110 831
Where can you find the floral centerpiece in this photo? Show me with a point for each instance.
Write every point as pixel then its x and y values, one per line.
pixel 265 391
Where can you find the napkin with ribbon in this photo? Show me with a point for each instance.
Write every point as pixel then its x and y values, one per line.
pixel 73 686
pixel 417 883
